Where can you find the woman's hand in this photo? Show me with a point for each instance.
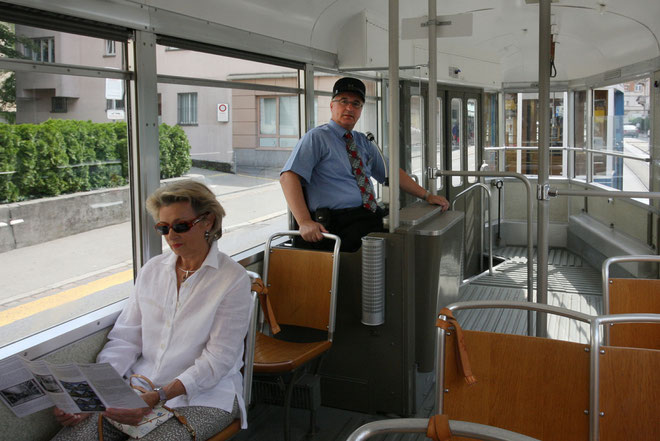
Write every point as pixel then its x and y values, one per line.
pixel 132 416
pixel 127 416
pixel 69 419
pixel 151 398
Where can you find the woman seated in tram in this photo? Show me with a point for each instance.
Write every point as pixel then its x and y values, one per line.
pixel 183 327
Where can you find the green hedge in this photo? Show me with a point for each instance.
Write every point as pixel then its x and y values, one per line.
pixel 63 156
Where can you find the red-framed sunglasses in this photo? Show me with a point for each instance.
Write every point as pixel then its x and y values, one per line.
pixel 179 227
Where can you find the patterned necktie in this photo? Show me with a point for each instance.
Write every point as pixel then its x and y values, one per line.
pixel 363 182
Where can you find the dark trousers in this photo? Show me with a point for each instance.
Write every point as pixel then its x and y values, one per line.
pixel 350 224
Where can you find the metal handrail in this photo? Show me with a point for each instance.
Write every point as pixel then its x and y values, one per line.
pixel 573 149
pixel 541 296
pixel 594 364
pixel 490 220
pixel 489 304
pixel 419 425
pixel 606 281
pixel 554 192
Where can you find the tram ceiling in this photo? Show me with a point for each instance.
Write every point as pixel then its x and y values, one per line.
pixel 592 36
pixel 504 43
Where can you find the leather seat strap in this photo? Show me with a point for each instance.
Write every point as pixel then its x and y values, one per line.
pixel 463 360
pixel 259 287
pixel 438 428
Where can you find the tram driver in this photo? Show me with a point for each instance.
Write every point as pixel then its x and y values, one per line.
pixel 182 328
pixel 334 164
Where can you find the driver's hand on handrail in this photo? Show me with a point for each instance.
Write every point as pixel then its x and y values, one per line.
pixel 311 231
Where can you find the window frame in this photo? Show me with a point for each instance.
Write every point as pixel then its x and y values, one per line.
pixel 59 104
pixel 193 115
pixel 38 55
pixel 110 48
pixel 277 135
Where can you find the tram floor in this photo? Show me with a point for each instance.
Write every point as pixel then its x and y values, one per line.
pixel 572 284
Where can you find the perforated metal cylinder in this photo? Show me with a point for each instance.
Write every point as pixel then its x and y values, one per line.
pixel 373 281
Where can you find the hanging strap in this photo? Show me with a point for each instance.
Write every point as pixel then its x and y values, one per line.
pixel 463 360
pixel 259 287
pixel 438 428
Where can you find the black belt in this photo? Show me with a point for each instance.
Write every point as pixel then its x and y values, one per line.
pixel 347 210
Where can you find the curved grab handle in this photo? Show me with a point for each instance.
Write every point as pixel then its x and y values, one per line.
pixel 419 425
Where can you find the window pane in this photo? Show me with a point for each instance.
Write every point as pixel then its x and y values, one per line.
pixel 267 142
pixel 456 130
pixel 228 149
pixel 621 124
pixel 511 131
pixel 580 131
pixel 288 115
pixel 440 142
pixel 288 142
pixel 60 47
pixel 472 127
pixel 416 136
pixel 529 132
pixel 110 47
pixel 491 136
pixel 52 162
pixel 268 116
pixel 187 108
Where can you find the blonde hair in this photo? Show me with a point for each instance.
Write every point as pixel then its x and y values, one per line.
pixel 201 198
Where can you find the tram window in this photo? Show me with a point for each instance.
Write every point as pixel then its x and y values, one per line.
pixel 621 124
pixel 439 148
pixel 580 134
pixel 522 130
pixel 241 138
pixel 65 215
pixel 511 131
pixel 456 131
pixel 472 133
pixel 416 136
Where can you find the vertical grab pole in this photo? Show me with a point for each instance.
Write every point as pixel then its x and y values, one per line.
pixel 544 157
pixel 431 156
pixel 394 112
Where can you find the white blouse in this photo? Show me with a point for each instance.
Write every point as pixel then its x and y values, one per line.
pixel 197 338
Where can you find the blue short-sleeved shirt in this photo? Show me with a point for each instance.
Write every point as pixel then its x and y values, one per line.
pixel 321 160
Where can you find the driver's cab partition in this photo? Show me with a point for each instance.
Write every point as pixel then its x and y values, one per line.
pixel 373 368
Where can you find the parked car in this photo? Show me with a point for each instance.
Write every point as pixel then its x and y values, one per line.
pixel 630 130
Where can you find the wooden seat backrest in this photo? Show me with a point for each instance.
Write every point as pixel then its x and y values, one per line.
pixel 299 285
pixel 629 394
pixel 535 386
pixel 634 296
